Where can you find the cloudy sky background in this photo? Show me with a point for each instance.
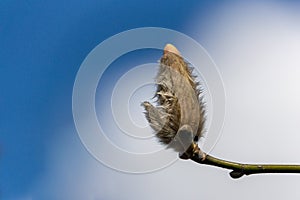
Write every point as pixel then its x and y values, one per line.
pixel 255 46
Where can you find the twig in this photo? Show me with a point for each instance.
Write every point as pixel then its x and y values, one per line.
pixel 238 169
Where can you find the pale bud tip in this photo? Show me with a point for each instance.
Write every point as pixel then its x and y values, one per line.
pixel 171 48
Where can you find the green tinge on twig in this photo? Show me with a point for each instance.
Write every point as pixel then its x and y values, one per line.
pixel 240 169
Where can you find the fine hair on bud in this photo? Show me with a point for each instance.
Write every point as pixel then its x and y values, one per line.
pixel 179 104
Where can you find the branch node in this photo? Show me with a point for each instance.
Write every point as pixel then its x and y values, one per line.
pixel 236 174
pixel 194 153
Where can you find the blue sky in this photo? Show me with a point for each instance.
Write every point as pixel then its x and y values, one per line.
pixel 43 44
